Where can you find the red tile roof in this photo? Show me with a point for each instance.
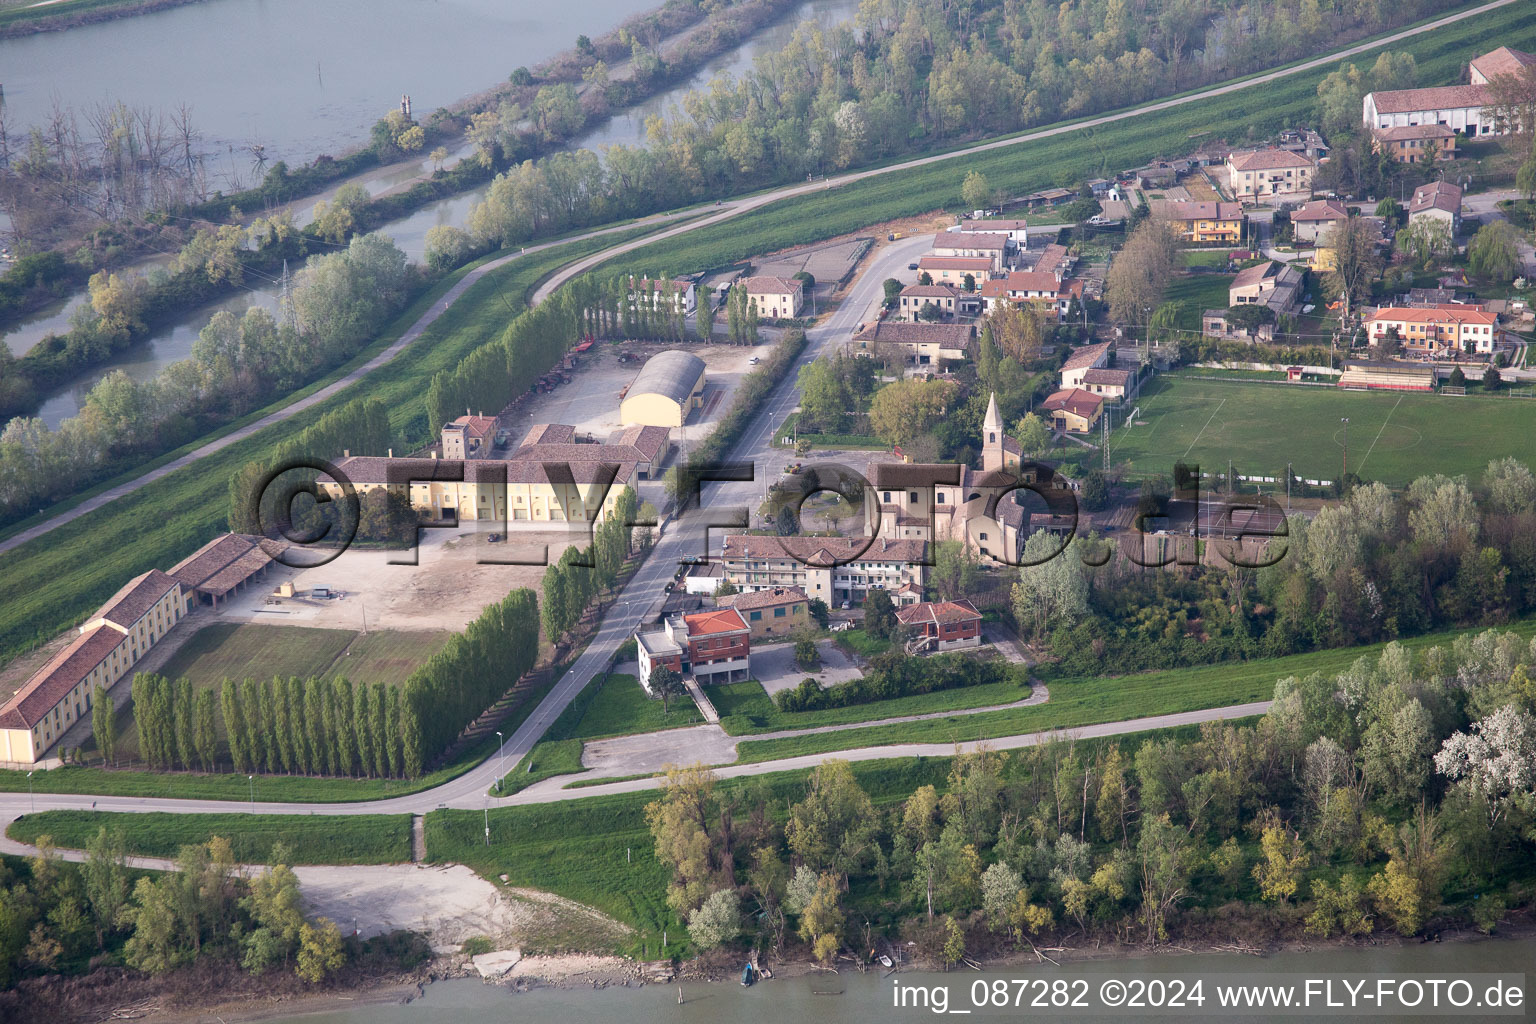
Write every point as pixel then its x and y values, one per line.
pixel 476 426
pixel 1320 209
pixel 721 620
pixel 774 598
pixel 1171 210
pixel 1075 401
pixel 1436 315
pixel 1444 97
pixel 1267 160
pixel 764 284
pixel 62 673
pixel 938 612
pixel 141 593
pixel 1086 356
pixel 1414 131
pixel 1503 61
pixel 971 240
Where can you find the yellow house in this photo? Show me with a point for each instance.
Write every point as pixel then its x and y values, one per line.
pixel 1201 221
pixel 1074 410
pixel 110 643
pixel 665 392
pixel 499 490
pixel 771 613
pixel 1323 259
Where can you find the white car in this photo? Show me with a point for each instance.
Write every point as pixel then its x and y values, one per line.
pixel 753 361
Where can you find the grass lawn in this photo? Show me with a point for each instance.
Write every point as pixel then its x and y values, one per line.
pixel 1393 438
pixel 261 651
pixel 1078 702
pixel 1198 293
pixel 861 643
pixel 614 705
pixel 745 708
pixel 312 839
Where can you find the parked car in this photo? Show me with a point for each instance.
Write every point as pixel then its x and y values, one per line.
pixel 753 361
pixel 911 266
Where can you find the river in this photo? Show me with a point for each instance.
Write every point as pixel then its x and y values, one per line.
pixel 851 998
pixel 336 110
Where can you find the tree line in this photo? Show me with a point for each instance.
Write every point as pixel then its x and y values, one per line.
pixel 465 677
pixel 895 674
pixel 340 300
pixel 205 909
pixel 1380 565
pixel 580 574
pixel 1396 796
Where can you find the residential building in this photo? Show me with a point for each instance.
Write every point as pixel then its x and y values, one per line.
pixel 954 270
pixel 1411 143
pixel 676 293
pixel 1268 172
pixel 469 437
pixel 947 300
pixel 1089 357
pixel 916 345
pixel 1109 383
pixel 978 244
pixel 836 569
pixel 1437 330
pixel 776 298
pixel 110 643
pixel 713 647
pixel 1271 284
pixel 1042 289
pixel 665 391
pixel 1439 200
pixel 1017 230
pixel 1201 222
pixel 1311 221
pixel 941 625
pixel 775 612
pixel 1072 410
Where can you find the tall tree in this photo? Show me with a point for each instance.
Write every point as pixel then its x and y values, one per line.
pixel 1139 276
pixel 381 734
pixel 186 748
pixel 1355 261
pixel 315 733
pixel 345 735
pixel 104 724
pixel 205 738
pixel 362 722
pixel 234 727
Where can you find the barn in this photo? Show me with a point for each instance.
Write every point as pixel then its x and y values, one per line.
pixel 667 389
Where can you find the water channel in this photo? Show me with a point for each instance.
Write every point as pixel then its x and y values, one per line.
pixel 852 998
pixel 326 113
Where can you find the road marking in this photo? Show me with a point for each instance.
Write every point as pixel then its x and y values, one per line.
pixel 1202 429
pixel 1378 433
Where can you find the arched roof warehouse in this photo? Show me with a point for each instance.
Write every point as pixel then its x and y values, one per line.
pixel 666 389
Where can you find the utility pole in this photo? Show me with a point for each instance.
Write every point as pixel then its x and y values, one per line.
pixel 1345 420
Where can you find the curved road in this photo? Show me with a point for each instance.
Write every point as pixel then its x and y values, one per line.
pixel 686 538
pixel 734 209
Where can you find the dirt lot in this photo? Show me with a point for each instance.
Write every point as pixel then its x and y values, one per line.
pixel 447 589
pixel 590 402
pixel 774 666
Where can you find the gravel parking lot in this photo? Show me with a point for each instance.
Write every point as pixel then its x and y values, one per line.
pixel 447 589
pixel 774 666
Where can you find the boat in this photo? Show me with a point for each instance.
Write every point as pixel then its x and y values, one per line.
pixel 885 961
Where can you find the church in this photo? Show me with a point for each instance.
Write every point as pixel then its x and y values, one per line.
pixel 975 506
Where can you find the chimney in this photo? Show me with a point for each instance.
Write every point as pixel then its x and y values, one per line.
pixel 346 453
pixel 391 453
pixel 434 455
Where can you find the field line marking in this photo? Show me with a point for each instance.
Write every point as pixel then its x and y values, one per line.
pixel 1202 429
pixel 1379 432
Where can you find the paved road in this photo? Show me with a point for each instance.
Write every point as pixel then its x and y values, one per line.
pixel 728 211
pixel 468 790
pixel 426 320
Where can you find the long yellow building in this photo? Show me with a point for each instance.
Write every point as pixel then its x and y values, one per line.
pixel 110 643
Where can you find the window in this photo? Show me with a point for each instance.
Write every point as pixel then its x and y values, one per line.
pixel 886 496
pixel 756 616
pixel 778 613
pixel 912 496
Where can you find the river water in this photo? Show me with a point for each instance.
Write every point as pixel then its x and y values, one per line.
pixel 369 51
pixel 852 998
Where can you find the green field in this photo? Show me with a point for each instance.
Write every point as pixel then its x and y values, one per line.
pixel 745 708
pixel 614 705
pixel 311 839
pixel 1393 438
pixel 260 651
pixel 1078 702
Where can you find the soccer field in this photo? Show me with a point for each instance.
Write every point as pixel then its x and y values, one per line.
pixel 1393 437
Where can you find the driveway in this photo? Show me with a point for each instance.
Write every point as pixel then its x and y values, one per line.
pixel 774 666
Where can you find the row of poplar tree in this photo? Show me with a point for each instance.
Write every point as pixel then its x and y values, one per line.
pixel 580 574
pixel 293 726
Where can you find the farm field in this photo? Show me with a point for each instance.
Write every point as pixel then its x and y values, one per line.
pixel 1393 438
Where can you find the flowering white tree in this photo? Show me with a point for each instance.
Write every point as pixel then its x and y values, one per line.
pixel 1496 760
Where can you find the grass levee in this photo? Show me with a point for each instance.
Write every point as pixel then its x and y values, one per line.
pixel 311 839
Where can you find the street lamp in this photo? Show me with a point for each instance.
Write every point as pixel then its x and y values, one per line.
pixel 251 782
pixel 501 764
pixel 1345 420
pixel 487 824
pixel 30 795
